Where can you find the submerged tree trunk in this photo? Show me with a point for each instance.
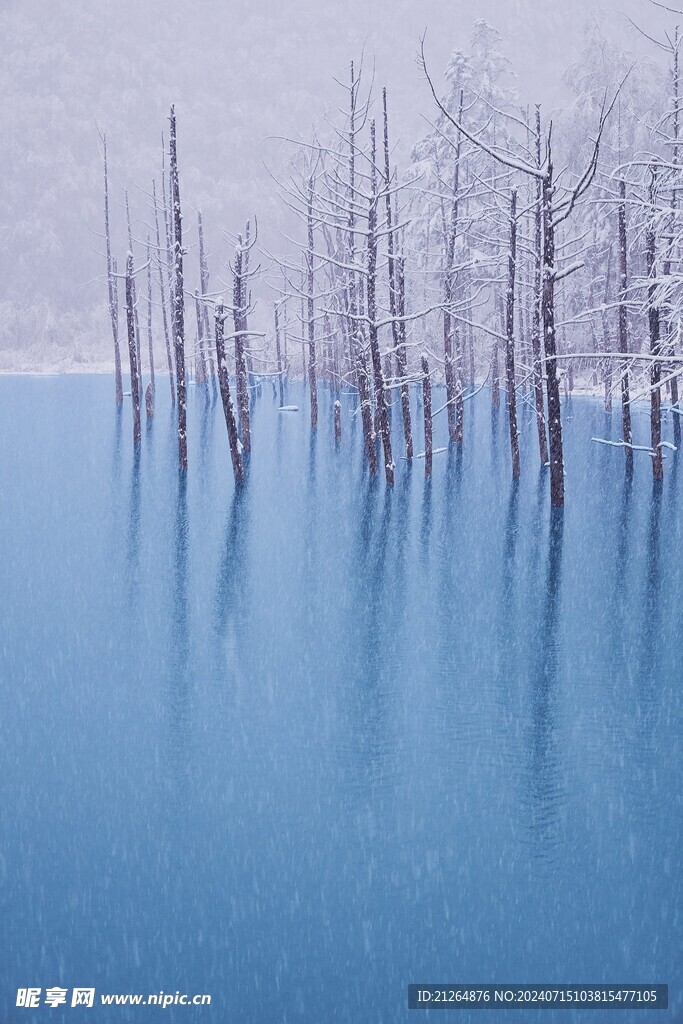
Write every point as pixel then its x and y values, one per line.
pixel 427 410
pixel 224 385
pixel 623 326
pixel 510 338
pixel 178 301
pixel 132 350
pixel 111 284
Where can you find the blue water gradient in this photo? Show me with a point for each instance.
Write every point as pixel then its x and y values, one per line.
pixel 301 745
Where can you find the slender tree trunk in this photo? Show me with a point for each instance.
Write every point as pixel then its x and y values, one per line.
pixel 132 350
pixel 178 300
pixel 239 318
pixel 151 387
pixel 200 374
pixel 396 270
pixel 510 338
pixel 111 284
pixel 162 297
pixel 337 421
pixel 224 385
pixel 135 304
pixel 380 397
pixel 605 333
pixel 548 316
pixel 279 354
pixel 204 287
pixel 623 326
pixel 453 389
pixel 401 361
pixel 427 409
pixel 312 356
pixel 536 315
pixel 654 326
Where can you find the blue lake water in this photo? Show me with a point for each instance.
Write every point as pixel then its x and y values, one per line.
pixel 300 746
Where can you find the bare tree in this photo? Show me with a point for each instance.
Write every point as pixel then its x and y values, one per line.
pixel 178 299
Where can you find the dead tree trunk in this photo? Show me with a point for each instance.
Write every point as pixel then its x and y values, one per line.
pixel 132 350
pixel 178 301
pixel 536 315
pixel 162 297
pixel 337 421
pixel 654 326
pixel 151 387
pixel 224 385
pixel 240 319
pixel 200 372
pixel 401 361
pixel 605 333
pixel 623 326
pixel 427 410
pixel 396 267
pixel 453 388
pixel 510 337
pixel 548 316
pixel 312 360
pixel 204 287
pixel 111 284
pixel 135 304
pixel 380 397
pixel 278 353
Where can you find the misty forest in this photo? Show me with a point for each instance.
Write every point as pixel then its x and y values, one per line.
pixel 341 417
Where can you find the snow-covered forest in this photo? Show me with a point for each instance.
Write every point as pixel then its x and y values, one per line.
pixel 528 250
